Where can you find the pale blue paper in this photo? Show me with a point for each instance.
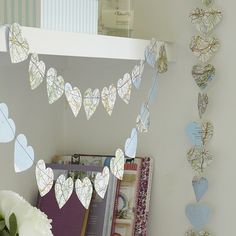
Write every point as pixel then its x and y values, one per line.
pixel 131 144
pixel 137 80
pixel 150 57
pixel 153 91
pixel 200 187
pixel 194 132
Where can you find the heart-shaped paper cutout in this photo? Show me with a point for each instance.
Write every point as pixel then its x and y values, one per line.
pixel 153 91
pixel 63 190
pixel 150 53
pixel 131 144
pixel 44 178
pixel 124 86
pixel 143 119
pixel 84 191
pixel 137 74
pixel 91 101
pixel 207 2
pixel 202 104
pixel 55 86
pixel 74 98
pixel 36 71
pixel 18 45
pixel 204 48
pixel 101 182
pixel 198 215
pixel 203 75
pixel 117 164
pixel 205 20
pixel 200 187
pixel 109 98
pixel 162 62
pixel 193 233
pixel 7 125
pixel 23 154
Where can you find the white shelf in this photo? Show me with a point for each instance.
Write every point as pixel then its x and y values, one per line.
pixel 82 45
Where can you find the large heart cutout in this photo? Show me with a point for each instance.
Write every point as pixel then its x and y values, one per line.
pixel 143 119
pixel 202 104
pixel 44 178
pixel 124 86
pixel 137 74
pixel 109 98
pixel 200 233
pixel 131 144
pixel 200 187
pixel 117 164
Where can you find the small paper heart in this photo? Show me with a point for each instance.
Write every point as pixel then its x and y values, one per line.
pixel 202 104
pixel 117 164
pixel 131 144
pixel 150 53
pixel 153 91
pixel 109 98
pixel 101 182
pixel 193 233
pixel 143 119
pixel 207 2
pixel 200 186
pixel 162 62
pixel 124 86
pixel 137 74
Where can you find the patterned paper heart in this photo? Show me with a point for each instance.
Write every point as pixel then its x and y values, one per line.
pixel 193 233
pixel 137 74
pixel 91 101
pixel 55 85
pixel 200 187
pixel 36 71
pixel 117 164
pixel 124 86
pixel 18 45
pixel 203 75
pixel 84 191
pixel 63 190
pixel 44 178
pixel 143 119
pixel 205 20
pixel 74 98
pixel 162 62
pixel 204 48
pixel 109 98
pixel 7 125
pixel 131 144
pixel 202 104
pixel 101 182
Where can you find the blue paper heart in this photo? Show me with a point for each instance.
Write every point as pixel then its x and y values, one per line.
pixel 143 119
pixel 194 131
pixel 131 144
pixel 198 215
pixel 153 91
pixel 150 57
pixel 200 187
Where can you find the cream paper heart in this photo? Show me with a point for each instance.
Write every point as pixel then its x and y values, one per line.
pixel 74 98
pixel 36 71
pixel 84 191
pixel 162 62
pixel 137 74
pixel 63 190
pixel 91 101
pixel 202 104
pixel 18 45
pixel 101 182
pixel 109 98
pixel 44 178
pixel 124 86
pixel 117 164
pixel 55 85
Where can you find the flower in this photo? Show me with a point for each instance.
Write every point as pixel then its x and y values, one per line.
pixel 30 220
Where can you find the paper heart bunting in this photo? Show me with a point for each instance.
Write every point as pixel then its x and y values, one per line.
pixel 84 191
pixel 101 182
pixel 202 104
pixel 200 187
pixel 74 98
pixel 7 125
pixel 23 154
pixel 117 164
pixel 137 74
pixel 131 144
pixel 162 62
pixel 36 71
pixel 124 87
pixel 44 178
pixel 55 86
pixel 204 48
pixel 63 190
pixel 193 233
pixel 207 2
pixel 109 98
pixel 150 53
pixel 143 119
pixel 18 45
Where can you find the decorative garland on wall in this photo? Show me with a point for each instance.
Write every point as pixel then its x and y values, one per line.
pixel 200 132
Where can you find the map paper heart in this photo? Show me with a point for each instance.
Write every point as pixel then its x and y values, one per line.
pixel 74 98
pixel 91 101
pixel 198 215
pixel 137 74
pixel 204 48
pixel 205 20
pixel 203 75
pixel 200 187
pixel 124 86
pixel 143 119
pixel 18 45
pixel 84 191
pixel 36 71
pixel 202 104
pixel 117 164
pixel 162 62
pixel 55 86
pixel 63 190
pixel 150 53
pixel 44 178
pixel 7 125
pixel 101 182
pixel 153 91
pixel 23 154
pixel 109 98
pixel 193 233
pixel 131 144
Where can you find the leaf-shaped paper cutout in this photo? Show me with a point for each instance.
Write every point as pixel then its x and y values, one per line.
pixel 18 45
pixel 150 53
pixel 36 71
pixel 84 191
pixel 200 187
pixel 162 62
pixel 137 74
pixel 124 87
pixel 153 91
pixel 74 98
pixel 131 144
pixel 23 154
pixel 44 178
pixel 193 233
pixel 202 103
pixel 55 85
pixel 117 164
pixel 63 190
pixel 109 98
pixel 7 125
pixel 91 101
pixel 204 48
pixel 143 119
